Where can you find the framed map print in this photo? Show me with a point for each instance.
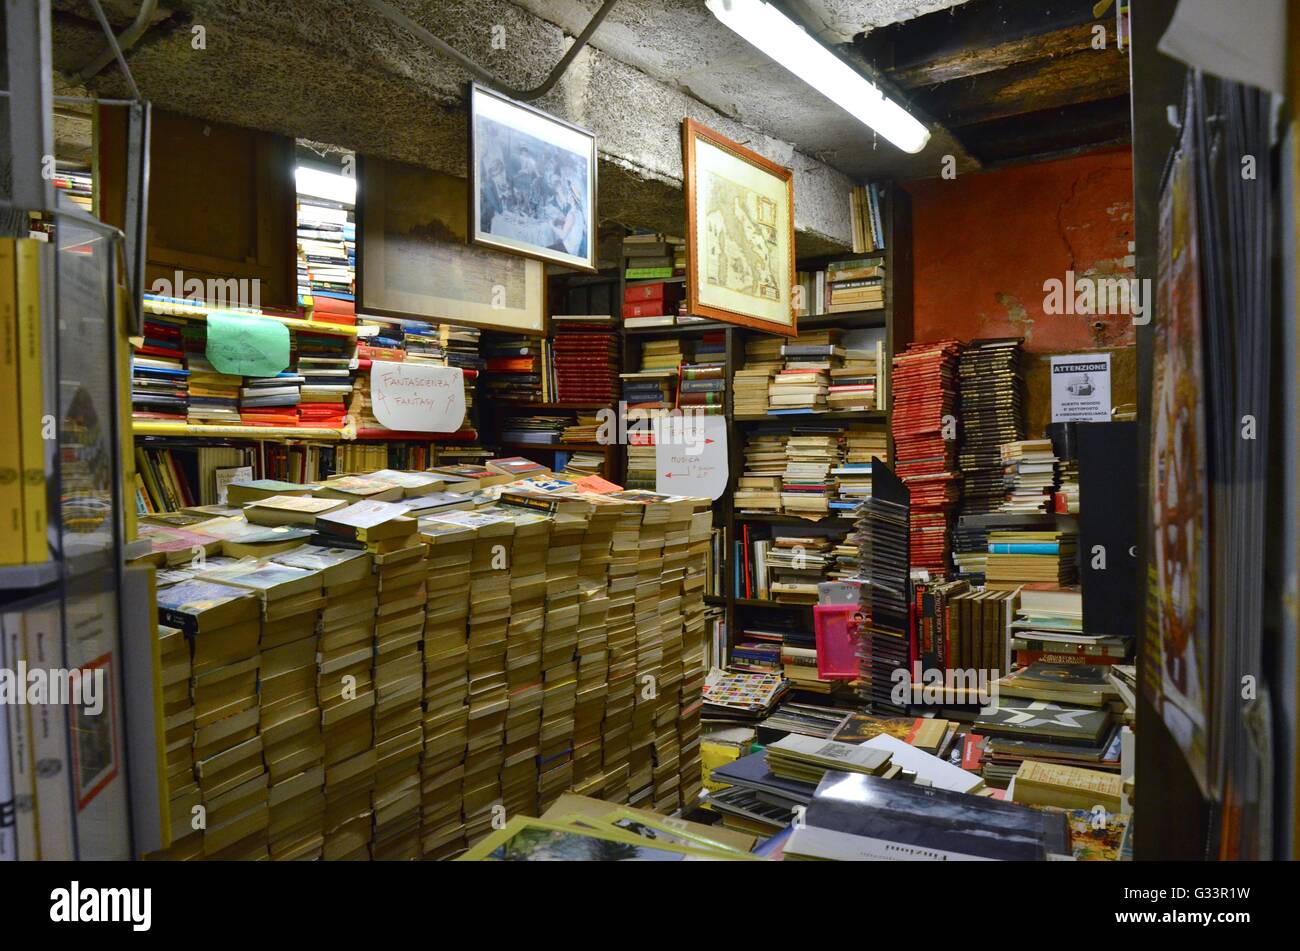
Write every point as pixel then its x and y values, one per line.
pixel 739 233
pixel 532 181
pixel 414 260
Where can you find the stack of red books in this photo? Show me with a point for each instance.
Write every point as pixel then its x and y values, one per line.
pixel 318 415
pixel 585 357
pixel 651 299
pixel 925 439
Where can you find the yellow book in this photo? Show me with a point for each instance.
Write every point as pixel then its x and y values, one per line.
pixel 11 492
pixel 36 545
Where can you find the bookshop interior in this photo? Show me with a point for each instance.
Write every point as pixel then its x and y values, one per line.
pixel 649 430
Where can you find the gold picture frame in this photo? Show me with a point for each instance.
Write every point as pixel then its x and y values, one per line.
pixel 739 233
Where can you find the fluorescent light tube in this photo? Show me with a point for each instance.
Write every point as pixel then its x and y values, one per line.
pixel 328 185
pixel 767 28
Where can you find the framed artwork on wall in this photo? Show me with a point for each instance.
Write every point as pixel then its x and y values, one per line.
pixel 532 181
pixel 739 233
pixel 414 260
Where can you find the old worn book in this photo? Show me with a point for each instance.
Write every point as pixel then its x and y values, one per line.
pixel 289 509
pixel 241 493
pixel 359 488
pixel 1068 787
pixel 807 758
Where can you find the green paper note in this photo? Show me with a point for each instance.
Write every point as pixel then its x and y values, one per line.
pixel 246 344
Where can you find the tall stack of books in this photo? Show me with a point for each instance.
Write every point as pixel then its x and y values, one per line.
pixel 327 258
pixel 514 368
pixel 992 413
pixel 759 488
pixel 583 358
pixel 925 445
pixel 224 626
pixel 750 389
pixel 178 725
pixel 1029 475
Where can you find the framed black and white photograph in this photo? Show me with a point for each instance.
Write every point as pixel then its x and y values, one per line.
pixel 532 182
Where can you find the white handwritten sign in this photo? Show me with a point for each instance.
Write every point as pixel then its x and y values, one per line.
pixel 691 458
pixel 417 397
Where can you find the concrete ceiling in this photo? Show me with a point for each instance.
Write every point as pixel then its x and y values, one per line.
pixel 1008 79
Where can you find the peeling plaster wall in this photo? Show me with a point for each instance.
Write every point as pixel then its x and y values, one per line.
pixel 985 242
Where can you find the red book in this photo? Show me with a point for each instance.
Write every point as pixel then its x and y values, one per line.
pixel 643 292
pixel 647 309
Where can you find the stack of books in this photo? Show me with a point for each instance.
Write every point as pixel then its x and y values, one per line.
pixel 750 389
pixel 797 390
pixel 536 430
pixel 806 482
pixel 326 388
pixel 1029 475
pixel 650 256
pixel 77 185
pixel 992 413
pixel 856 384
pixel 703 388
pixel 461 345
pixel 514 368
pixel 883 533
pixel 583 358
pixel 759 487
pixel 270 400
pixel 159 378
pixel 1043 556
pixel 213 396
pixel 327 258
pixel 925 445
pixel 795 566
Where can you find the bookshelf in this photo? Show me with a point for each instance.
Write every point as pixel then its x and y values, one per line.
pixel 895 318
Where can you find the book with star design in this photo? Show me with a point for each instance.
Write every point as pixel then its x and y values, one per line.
pixel 1015 716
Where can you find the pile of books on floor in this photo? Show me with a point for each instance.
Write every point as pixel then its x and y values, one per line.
pixel 363 684
pixel 1064 716
pixel 514 368
pixel 1029 475
pixel 925 445
pixel 327 258
pixel 1049 556
pixel 741 696
pixel 583 360
pixel 992 414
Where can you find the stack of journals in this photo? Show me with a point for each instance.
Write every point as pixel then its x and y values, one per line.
pixel 327 258
pixel 514 368
pixel 865 207
pixel 583 359
pixel 924 391
pixel 1029 475
pixel 652 256
pixel 1019 556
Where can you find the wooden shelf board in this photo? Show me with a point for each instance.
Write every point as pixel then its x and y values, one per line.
pixel 200 312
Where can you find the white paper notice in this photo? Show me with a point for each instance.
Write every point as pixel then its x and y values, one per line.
pixel 691 456
pixel 417 397
pixel 1081 388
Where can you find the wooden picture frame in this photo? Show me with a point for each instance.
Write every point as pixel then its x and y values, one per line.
pixel 532 182
pixel 414 260
pixel 721 177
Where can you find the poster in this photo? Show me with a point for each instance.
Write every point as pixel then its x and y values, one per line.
pixel 691 455
pixel 417 397
pixel 1081 388
pixel 1179 500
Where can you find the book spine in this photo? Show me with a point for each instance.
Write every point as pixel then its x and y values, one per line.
pixel 36 546
pixel 11 459
pixel 19 761
pixel 53 774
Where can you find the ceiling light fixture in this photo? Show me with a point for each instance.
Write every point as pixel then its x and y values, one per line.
pixel 767 28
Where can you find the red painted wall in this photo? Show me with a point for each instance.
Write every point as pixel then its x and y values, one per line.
pixel 985 242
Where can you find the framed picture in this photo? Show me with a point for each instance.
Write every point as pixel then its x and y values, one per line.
pixel 739 233
pixel 532 182
pixel 414 260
